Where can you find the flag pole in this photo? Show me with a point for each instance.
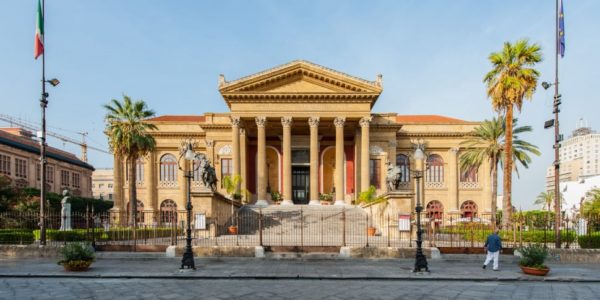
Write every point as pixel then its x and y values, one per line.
pixel 557 216
pixel 43 104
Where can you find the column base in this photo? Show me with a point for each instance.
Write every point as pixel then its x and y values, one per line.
pixel 314 202
pixel 261 203
pixel 287 202
pixel 339 202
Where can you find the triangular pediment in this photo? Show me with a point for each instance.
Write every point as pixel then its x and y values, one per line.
pixel 300 77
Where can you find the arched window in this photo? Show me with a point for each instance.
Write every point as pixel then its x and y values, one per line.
pixel 140 211
pixel 434 210
pixel 168 212
pixel 468 209
pixel 139 171
pixel 435 171
pixel 168 168
pixel 404 164
pixel 469 174
pixel 197 168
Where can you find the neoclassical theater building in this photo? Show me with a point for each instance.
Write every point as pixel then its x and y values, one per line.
pixel 307 132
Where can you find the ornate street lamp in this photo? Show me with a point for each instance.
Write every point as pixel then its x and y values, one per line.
pixel 189 156
pixel 420 260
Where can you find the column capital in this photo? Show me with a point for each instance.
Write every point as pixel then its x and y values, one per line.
pixel 365 121
pixel 393 143
pixel 235 120
pixel 286 121
pixel 209 143
pixel 242 131
pixel 313 121
pixel 339 121
pixel 454 150
pixel 260 121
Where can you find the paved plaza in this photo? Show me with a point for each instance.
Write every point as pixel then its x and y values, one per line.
pixel 152 276
pixel 123 289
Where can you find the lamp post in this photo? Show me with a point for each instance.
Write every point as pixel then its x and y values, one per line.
pixel 420 259
pixel 42 137
pixel 189 156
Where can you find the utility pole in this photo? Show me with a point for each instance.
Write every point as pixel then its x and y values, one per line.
pixel 557 217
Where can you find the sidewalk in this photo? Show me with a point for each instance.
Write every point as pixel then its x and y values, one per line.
pixel 140 265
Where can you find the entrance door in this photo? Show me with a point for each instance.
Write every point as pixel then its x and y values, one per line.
pixel 300 184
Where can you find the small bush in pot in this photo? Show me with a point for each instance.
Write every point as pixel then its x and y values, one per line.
pixel 532 259
pixel 77 256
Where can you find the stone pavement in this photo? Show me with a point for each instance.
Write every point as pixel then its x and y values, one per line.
pixel 149 266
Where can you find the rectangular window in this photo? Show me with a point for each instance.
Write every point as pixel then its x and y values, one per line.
pixel 49 174
pixel 110 185
pixel 101 185
pixel 20 168
pixel 4 164
pixel 64 178
pixel 75 180
pixel 226 168
pixel 110 196
pixel 139 174
pixel 375 172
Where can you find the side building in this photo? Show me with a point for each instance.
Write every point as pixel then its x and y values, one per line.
pixel 308 132
pixel 579 156
pixel 20 161
pixel 102 184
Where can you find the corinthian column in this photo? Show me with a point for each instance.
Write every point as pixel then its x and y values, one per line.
pixel 313 122
pixel 364 153
pixel 235 138
pixel 286 122
pixel 150 182
pixel 261 158
pixel 339 160
pixel 453 179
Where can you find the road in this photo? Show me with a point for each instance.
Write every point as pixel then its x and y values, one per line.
pixel 122 289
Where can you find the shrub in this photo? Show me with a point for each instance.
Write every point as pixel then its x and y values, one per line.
pixel 589 241
pixel 533 256
pixel 16 236
pixel 76 252
pixel 74 235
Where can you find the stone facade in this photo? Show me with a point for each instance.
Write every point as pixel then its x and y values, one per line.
pixel 20 161
pixel 102 184
pixel 304 130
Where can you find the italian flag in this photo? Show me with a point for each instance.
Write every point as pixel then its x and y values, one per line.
pixel 38 48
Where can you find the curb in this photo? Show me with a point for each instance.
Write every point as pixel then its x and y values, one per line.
pixel 299 277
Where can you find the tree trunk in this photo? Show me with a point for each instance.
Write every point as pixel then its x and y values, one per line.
pixel 494 190
pixel 131 184
pixel 507 183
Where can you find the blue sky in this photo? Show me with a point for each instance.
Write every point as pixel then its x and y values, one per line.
pixel 432 54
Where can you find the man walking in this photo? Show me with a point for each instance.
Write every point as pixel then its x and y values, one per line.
pixel 493 245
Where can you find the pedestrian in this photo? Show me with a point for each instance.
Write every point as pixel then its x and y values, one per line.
pixel 493 246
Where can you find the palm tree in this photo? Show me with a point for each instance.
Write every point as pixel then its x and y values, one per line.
pixel 129 137
pixel 545 199
pixel 486 143
pixel 511 80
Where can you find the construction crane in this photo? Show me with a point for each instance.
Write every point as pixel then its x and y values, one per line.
pixel 84 146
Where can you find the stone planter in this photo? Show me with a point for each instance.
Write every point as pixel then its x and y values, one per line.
pixel 232 229
pixel 371 231
pixel 534 271
pixel 76 265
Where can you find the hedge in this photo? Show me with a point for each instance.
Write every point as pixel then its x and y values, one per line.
pixel 113 234
pixel 589 241
pixel 532 236
pixel 16 236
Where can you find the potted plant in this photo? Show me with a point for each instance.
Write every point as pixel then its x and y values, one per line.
pixel 370 198
pixel 230 184
pixel 276 197
pixel 532 260
pixel 76 257
pixel 326 198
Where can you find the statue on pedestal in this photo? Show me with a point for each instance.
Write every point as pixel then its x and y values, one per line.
pixel 65 212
